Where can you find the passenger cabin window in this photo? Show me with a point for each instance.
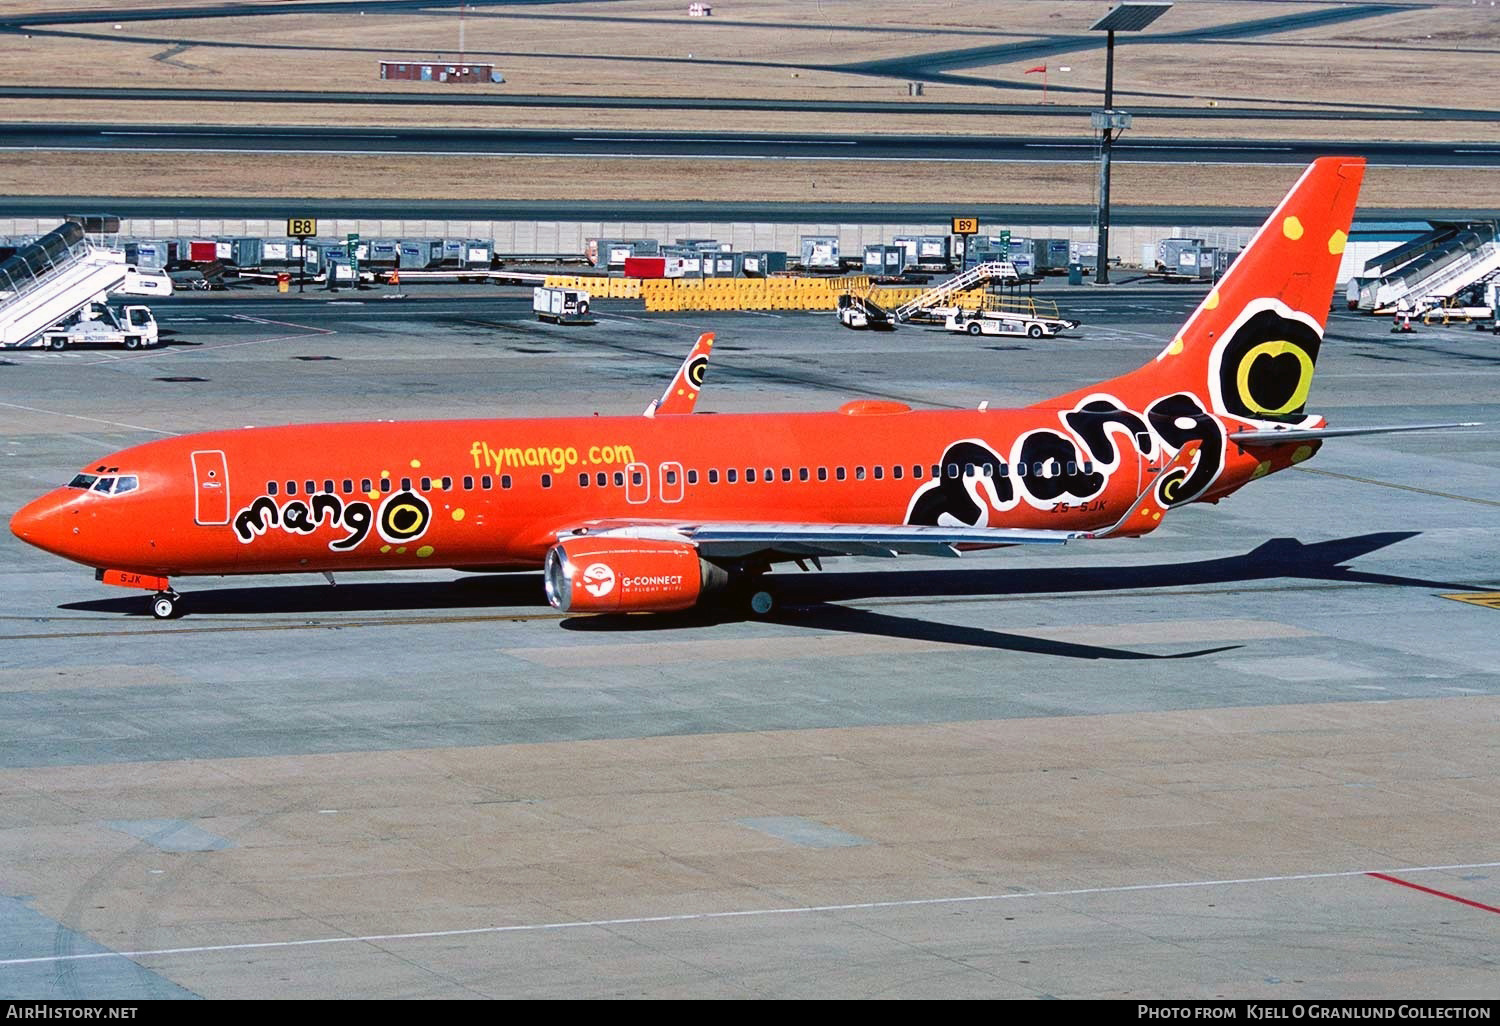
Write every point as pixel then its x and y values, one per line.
pixel 692 476
pixel 822 473
pixel 841 473
pixel 468 483
pixel 583 479
pixel 406 484
pixel 750 475
pixel 271 488
pixel 385 484
pixel 916 471
pixel 546 480
pixel 729 475
pixel 859 473
pixel 879 472
pixel 801 473
pixel 365 484
pixel 896 471
pixel 291 487
pixel 713 477
pixel 504 480
pixel 328 487
pixel 770 476
pixel 447 483
pixel 671 477
pixel 312 486
pixel 953 470
pixel 348 485
pixel 486 482
pixel 426 484
pixel 619 479
pixel 602 479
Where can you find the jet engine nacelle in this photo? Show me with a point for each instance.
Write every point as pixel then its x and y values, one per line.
pixel 628 575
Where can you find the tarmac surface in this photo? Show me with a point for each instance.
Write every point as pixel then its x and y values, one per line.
pixel 1253 754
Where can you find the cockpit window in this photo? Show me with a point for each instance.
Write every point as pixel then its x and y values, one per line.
pixel 113 485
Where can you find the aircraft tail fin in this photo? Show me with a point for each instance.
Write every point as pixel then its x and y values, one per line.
pixel 1250 348
pixel 682 392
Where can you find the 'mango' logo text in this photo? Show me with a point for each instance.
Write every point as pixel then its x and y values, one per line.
pixel 403 517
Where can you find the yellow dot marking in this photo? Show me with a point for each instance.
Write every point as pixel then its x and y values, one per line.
pixel 385 548
pixel 385 473
pixel 1292 228
pixel 401 550
pixel 1303 452
pixel 1261 469
pixel 415 464
pixel 1212 300
pixel 679 391
pixel 458 514
pixel 1156 516
pixel 1145 512
pixel 373 494
pixel 1336 241
pixel 424 552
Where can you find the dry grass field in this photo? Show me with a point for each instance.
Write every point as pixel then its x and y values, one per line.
pixel 1427 56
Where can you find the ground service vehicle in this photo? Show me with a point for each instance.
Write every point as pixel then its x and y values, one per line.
pixel 130 326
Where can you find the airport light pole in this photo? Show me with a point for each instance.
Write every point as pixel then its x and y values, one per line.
pixel 1127 17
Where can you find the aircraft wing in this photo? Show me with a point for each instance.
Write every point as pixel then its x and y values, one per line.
pixel 1275 436
pixel 682 393
pixel 742 539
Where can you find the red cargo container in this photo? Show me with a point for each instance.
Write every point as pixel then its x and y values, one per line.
pixel 645 267
pixel 203 252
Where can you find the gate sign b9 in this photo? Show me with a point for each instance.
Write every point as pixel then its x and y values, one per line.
pixel 301 227
pixel 966 226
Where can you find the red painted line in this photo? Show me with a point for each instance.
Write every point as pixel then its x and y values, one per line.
pixel 1429 890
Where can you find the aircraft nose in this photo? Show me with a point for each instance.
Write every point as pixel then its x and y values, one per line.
pixel 45 523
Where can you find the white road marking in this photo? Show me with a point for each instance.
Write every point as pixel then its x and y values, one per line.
pixel 92 420
pixel 698 917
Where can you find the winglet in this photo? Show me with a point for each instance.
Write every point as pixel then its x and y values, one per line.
pixel 1144 515
pixel 682 394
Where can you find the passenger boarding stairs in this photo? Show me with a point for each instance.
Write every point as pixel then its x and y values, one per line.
pixel 980 274
pixel 51 279
pixel 1464 259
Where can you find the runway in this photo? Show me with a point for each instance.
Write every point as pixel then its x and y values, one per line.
pixel 723 145
pixel 1250 755
pixel 924 108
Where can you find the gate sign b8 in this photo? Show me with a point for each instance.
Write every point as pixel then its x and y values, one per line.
pixel 966 226
pixel 301 227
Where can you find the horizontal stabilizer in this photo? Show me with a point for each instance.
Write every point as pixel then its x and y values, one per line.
pixel 1144 515
pixel 1275 436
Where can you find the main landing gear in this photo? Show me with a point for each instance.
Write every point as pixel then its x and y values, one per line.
pixel 164 605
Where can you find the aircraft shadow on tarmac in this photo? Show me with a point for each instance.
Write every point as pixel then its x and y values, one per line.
pixel 808 600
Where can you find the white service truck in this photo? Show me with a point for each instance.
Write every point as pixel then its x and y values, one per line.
pixel 1006 322
pixel 99 324
pixel 560 306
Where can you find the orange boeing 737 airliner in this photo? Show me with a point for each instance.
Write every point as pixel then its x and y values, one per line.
pixel 652 513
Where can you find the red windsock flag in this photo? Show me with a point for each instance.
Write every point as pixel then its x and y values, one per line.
pixel 1040 67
